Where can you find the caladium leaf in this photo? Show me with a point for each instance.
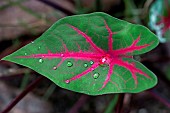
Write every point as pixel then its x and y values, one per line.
pixel 159 19
pixel 91 54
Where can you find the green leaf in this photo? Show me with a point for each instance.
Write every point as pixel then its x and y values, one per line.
pixel 91 54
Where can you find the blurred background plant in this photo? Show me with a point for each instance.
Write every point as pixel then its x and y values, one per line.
pixel 160 19
pixel 22 21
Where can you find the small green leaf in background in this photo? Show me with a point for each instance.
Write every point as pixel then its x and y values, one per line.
pixel 91 54
pixel 159 19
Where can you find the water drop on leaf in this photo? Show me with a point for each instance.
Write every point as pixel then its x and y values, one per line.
pixel 85 65
pixel 41 60
pixel 62 55
pixel 103 60
pixel 92 69
pixel 54 67
pixel 69 64
pixel 67 81
pixel 25 53
pixel 96 75
pixel 91 62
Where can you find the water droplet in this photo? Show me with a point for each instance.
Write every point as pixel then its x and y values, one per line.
pixel 62 55
pixel 32 42
pixel 85 65
pixel 92 69
pixel 103 60
pixel 54 67
pixel 39 47
pixel 96 75
pixel 91 62
pixel 69 64
pixel 67 81
pixel 25 53
pixel 41 60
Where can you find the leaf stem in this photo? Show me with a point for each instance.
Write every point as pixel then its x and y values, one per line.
pixel 56 6
pixel 22 94
pixel 98 5
pixel 79 104
pixel 112 104
pixel 49 91
pixel 159 97
pixel 119 105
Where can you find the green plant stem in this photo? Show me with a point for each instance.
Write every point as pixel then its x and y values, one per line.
pixel 33 13
pixel 9 4
pixel 119 105
pixel 98 5
pixel 28 10
pixel 49 91
pixel 112 104
pixel 25 80
pixel 22 94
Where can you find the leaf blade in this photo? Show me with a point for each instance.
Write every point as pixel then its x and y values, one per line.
pixel 61 40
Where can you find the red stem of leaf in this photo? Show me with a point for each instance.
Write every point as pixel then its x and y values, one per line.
pixel 22 94
pixel 88 39
pixel 93 67
pixel 158 97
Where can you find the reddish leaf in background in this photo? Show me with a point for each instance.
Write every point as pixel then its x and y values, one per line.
pixel 110 57
pixel 165 20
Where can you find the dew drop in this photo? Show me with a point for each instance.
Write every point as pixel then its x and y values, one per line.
pixel 69 64
pixel 103 60
pixel 85 65
pixel 62 55
pixel 67 81
pixel 91 62
pixel 54 67
pixel 96 75
pixel 25 53
pixel 41 60
pixel 32 42
pixel 39 47
pixel 92 69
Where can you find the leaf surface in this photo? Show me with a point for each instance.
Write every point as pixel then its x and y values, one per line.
pixel 91 54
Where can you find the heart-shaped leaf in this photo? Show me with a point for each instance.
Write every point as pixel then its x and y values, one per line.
pixel 91 54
